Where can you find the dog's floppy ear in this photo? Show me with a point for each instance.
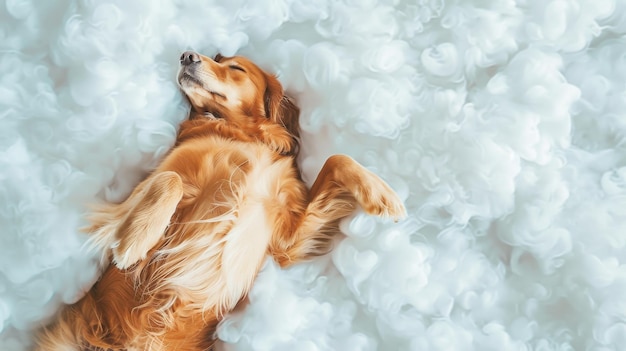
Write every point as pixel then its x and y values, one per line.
pixel 280 109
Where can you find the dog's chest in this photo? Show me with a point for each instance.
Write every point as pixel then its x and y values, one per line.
pixel 226 228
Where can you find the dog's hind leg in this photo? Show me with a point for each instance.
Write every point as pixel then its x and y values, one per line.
pixel 341 185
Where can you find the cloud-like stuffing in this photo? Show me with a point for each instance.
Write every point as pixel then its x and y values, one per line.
pixel 500 123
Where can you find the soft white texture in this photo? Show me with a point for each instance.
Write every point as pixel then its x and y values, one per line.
pixel 501 123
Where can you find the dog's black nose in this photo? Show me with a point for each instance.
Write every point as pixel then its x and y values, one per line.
pixel 189 57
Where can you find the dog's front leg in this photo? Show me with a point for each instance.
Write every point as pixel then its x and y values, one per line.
pixel 134 226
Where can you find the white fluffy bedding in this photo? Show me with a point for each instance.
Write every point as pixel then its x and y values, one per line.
pixel 502 124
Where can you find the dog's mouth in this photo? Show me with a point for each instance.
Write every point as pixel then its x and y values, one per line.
pixel 187 78
pixel 184 77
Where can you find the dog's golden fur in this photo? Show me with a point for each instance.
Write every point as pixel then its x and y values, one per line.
pixel 188 242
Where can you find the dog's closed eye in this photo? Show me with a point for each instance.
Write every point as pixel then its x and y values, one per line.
pixel 235 67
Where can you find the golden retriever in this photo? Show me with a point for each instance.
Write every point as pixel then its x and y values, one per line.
pixel 188 242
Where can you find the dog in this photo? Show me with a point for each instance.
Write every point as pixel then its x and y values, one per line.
pixel 186 245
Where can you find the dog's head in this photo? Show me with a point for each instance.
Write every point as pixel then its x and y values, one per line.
pixel 235 89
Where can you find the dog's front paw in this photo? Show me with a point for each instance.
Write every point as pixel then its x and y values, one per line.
pixel 277 138
pixel 124 256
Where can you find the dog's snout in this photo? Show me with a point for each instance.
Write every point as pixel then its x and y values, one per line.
pixel 189 57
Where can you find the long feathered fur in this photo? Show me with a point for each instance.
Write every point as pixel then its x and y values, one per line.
pixel 184 248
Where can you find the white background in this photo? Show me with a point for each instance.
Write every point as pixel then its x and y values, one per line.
pixel 501 124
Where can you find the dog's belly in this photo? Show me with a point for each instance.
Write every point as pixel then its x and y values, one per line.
pixel 220 234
